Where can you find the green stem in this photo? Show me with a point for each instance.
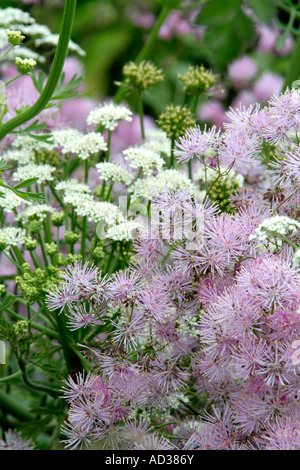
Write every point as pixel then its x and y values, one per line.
pixel 12 406
pixel 54 76
pixel 108 146
pixel 293 72
pixel 141 114
pixel 148 46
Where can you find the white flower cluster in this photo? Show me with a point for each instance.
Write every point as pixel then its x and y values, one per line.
pixel 43 173
pixel 158 141
pixel 152 186
pixel 78 196
pixel 145 158
pixel 12 236
pixel 279 225
pixel 25 53
pixel 83 145
pixel 37 211
pixel 3 38
pixel 73 186
pixel 127 230
pixel 9 200
pixel 14 15
pixel 30 144
pixel 34 29
pixel 109 115
pixel 114 173
pixel 22 157
pixel 296 260
pixel 52 40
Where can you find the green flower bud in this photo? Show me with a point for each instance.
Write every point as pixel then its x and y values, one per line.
pixel 30 243
pixel 26 267
pixel 71 237
pixel 2 290
pixel 34 226
pixel 51 248
pixel 20 328
pixel 98 253
pixel 14 37
pixel 25 66
pixel 58 218
pixel 197 80
pixel 143 75
pixel 175 120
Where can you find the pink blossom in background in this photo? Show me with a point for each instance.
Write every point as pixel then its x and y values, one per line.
pixel 242 71
pixel 141 19
pixel 267 85
pixel 268 38
pixel 214 112
pixel 244 98
pixel 76 110
pixel 73 67
pixel 129 133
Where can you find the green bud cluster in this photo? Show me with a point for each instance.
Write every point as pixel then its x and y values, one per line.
pixel 2 290
pixel 25 66
pixel 71 237
pixel 175 120
pixel 49 157
pixel 36 284
pixel 143 75
pixel 98 253
pixel 34 226
pixel 30 243
pixel 20 328
pixel 220 193
pixel 58 218
pixel 197 80
pixel 51 248
pixel 15 38
pixel 62 260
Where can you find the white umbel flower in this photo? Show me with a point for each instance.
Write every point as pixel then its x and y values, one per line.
pixel 232 177
pixel 158 141
pixel 152 186
pixel 105 211
pixel 25 53
pixel 276 226
pixel 30 144
pixel 42 172
pixel 37 211
pixel 128 230
pixel 9 200
pixel 14 15
pixel 73 186
pixel 145 158
pixel 3 38
pixel 52 40
pixel 12 236
pixel 22 157
pixel 83 145
pixel 109 115
pixel 115 173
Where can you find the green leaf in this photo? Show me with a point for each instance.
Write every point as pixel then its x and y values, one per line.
pixel 26 183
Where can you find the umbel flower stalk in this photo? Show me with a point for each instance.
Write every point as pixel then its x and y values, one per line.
pixel 54 76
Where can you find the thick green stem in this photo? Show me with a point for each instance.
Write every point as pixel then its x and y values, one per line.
pixel 54 76
pixel 12 406
pixel 148 46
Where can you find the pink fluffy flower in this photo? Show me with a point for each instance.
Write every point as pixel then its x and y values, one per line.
pixel 242 71
pixel 267 85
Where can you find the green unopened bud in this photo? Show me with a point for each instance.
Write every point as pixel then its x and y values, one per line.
pixel 34 226
pixel 20 328
pixel 58 218
pixel 2 290
pixel 71 237
pixel 25 267
pixel 30 243
pixel 3 244
pixel 175 120
pixel 98 253
pixel 25 65
pixel 15 38
pixel 198 80
pixel 143 75
pixel 51 248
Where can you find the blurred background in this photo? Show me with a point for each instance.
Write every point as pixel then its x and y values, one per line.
pixel 248 43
